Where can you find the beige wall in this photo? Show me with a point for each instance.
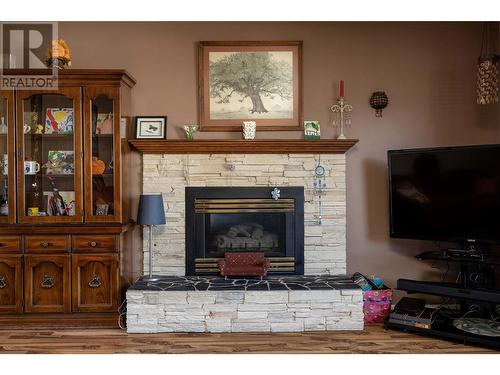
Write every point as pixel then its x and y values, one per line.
pixel 427 70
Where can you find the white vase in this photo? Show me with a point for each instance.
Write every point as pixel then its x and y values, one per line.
pixel 249 128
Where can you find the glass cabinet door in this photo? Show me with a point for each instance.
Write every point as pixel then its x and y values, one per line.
pixel 49 161
pixel 7 164
pixel 102 154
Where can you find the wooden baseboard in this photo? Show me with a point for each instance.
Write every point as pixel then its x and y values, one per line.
pixel 59 321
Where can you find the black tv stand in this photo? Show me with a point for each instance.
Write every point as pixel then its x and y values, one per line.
pixel 448 332
pixel 476 288
pixel 465 253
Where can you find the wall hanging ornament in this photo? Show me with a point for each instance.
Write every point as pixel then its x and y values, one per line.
pixel 319 189
pixel 342 112
pixel 378 102
pixel 487 66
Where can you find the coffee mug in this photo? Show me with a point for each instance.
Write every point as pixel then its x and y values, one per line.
pixel 26 129
pixel 33 211
pixel 31 167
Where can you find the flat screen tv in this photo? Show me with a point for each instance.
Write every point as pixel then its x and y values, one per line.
pixel 448 193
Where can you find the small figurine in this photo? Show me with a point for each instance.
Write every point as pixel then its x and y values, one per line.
pixel 38 129
pixel 3 126
pixel 56 205
pixel 58 56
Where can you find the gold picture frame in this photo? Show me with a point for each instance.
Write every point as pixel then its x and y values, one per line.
pixel 257 81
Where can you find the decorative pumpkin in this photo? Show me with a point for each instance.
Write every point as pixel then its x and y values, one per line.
pixel 98 166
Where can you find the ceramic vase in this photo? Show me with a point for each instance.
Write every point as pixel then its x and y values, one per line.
pixel 249 128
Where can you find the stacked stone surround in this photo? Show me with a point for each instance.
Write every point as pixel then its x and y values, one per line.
pixel 325 244
pixel 236 311
pixel 231 310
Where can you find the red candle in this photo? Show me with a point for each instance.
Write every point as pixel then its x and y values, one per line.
pixel 341 88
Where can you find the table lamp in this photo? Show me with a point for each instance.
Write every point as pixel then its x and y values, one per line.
pixel 151 212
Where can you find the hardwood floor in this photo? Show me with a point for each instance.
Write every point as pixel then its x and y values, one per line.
pixel 374 339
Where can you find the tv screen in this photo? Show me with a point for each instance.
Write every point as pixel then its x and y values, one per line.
pixel 450 193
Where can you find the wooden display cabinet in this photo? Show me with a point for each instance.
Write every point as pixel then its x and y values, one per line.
pixel 66 193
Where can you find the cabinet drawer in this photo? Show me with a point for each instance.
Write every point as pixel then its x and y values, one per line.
pixel 89 244
pixel 11 284
pixel 47 286
pixel 95 282
pixel 47 244
pixel 10 244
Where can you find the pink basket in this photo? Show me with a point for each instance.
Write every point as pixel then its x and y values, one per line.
pixel 377 305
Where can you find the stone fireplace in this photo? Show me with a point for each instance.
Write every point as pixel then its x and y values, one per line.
pixel 222 201
pixel 238 219
pixel 324 242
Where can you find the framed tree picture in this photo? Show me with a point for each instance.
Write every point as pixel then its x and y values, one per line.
pixel 250 81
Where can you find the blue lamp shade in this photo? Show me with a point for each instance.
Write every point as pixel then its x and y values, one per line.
pixel 151 211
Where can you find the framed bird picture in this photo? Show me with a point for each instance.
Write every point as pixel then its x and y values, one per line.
pixel 151 127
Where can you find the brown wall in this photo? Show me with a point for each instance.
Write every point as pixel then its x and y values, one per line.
pixel 427 70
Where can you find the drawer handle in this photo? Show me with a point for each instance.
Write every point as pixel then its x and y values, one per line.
pixel 93 244
pixel 3 282
pixel 48 282
pixel 45 244
pixel 2 244
pixel 95 281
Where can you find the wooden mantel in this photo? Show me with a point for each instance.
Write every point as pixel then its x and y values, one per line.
pixel 241 146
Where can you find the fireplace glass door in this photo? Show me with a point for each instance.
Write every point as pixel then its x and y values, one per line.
pixel 222 220
pixel 244 224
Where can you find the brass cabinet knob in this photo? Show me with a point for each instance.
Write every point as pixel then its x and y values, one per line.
pixel 95 281
pixel 47 282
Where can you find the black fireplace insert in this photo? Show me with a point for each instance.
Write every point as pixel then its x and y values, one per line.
pixel 235 219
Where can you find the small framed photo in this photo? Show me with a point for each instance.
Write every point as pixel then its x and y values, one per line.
pixel 312 130
pixel 151 127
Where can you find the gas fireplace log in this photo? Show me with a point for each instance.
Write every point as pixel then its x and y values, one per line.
pixel 253 230
pixel 267 241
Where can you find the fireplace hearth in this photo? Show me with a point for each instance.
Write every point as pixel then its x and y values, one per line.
pixel 236 219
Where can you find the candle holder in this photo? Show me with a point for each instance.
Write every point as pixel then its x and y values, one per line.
pixel 342 109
